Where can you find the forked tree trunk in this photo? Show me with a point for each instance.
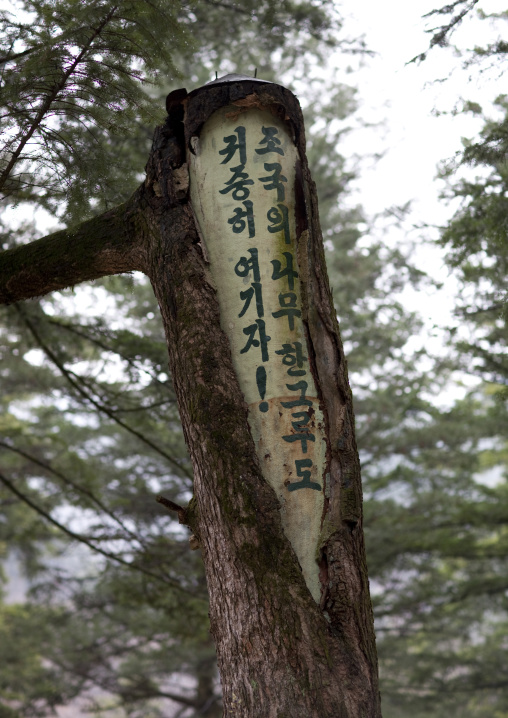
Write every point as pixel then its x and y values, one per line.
pixel 294 638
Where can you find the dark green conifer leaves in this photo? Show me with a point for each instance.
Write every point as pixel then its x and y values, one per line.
pixel 438 521
pixel 476 241
pixel 73 72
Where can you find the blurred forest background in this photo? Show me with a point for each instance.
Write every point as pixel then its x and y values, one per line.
pixel 104 607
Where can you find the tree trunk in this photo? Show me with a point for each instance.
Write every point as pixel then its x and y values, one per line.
pixel 280 654
pixel 293 640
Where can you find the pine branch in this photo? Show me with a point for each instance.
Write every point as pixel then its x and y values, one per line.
pixel 16 55
pixel 76 383
pixel 441 34
pixel 65 479
pixel 77 537
pixel 102 345
pixel 48 101
pixel 105 245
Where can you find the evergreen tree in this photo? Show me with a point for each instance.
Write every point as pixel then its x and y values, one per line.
pixel 442 617
pixel 103 387
pixel 119 616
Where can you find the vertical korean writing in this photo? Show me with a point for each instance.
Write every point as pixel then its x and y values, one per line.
pixel 243 217
pixel 243 183
pixel 293 359
pixel 239 183
pixel 292 353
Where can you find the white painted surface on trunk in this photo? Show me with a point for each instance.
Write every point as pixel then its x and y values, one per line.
pixel 243 193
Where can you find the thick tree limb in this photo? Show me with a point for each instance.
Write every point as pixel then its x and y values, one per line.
pixel 111 243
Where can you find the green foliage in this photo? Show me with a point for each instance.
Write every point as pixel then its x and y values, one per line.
pixel 449 17
pixel 437 528
pixel 478 250
pixel 73 75
pixel 28 686
pixel 437 536
pixel 138 614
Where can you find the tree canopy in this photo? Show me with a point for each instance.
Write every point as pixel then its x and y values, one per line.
pixel 90 429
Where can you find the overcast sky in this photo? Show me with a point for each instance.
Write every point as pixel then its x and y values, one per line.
pixel 406 96
pixel 405 99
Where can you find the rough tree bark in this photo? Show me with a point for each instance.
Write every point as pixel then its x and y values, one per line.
pixel 280 654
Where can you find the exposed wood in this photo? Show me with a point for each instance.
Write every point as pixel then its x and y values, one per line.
pixel 250 235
